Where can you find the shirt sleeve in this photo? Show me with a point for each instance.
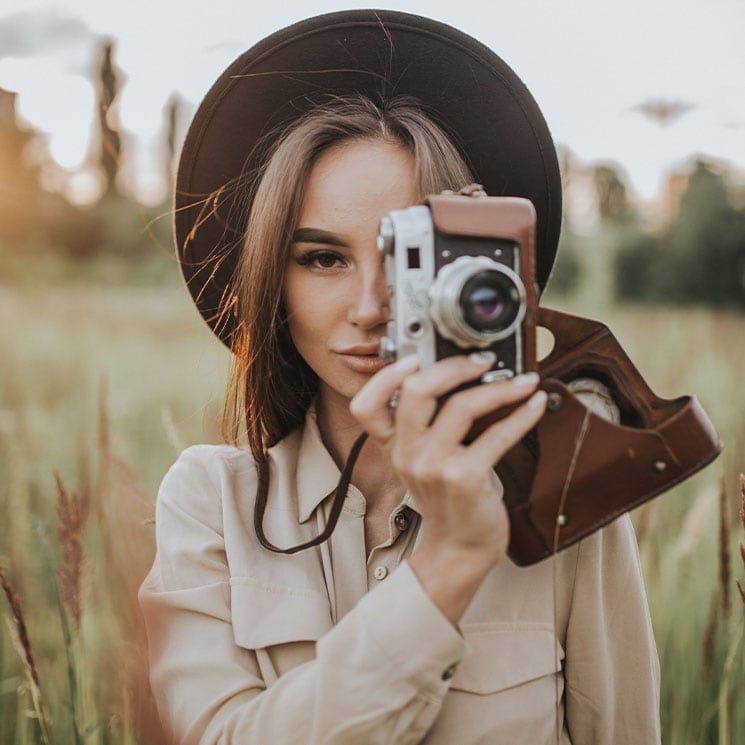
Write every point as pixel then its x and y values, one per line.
pixel 379 676
pixel 612 670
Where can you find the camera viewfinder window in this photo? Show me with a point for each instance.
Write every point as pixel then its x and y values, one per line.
pixel 412 253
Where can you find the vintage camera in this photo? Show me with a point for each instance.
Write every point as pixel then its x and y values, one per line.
pixel 461 274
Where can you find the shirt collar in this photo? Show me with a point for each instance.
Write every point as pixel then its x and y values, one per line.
pixel 317 473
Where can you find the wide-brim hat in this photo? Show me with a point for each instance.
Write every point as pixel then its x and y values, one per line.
pixel 464 86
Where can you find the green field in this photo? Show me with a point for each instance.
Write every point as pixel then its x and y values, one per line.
pixel 105 384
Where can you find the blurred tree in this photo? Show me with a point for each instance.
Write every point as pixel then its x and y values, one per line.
pixel 173 115
pixel 612 196
pixel 567 273
pixel 700 258
pixel 567 270
pixel 617 220
pixel 31 218
pixel 111 143
pixel 20 191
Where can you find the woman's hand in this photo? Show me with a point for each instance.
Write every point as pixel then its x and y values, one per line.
pixel 466 527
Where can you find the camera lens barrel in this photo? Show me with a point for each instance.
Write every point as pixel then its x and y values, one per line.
pixel 476 301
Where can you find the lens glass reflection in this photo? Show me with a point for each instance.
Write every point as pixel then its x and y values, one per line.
pixel 489 301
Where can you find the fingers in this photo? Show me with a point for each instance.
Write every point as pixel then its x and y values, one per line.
pixel 420 393
pixel 494 442
pixel 461 410
pixel 370 405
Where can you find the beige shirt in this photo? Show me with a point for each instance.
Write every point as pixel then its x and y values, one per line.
pixel 331 646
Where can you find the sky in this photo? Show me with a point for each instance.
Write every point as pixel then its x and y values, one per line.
pixel 589 63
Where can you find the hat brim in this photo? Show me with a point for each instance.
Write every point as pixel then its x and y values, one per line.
pixel 471 92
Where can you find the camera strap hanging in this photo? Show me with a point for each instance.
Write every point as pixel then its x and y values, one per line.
pixel 340 494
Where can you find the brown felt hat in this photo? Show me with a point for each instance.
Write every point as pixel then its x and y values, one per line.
pixel 472 94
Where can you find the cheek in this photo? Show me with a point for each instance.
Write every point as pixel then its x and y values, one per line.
pixel 308 311
pixel 315 303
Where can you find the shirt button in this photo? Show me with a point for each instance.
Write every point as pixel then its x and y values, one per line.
pixel 401 521
pixel 380 572
pixel 449 672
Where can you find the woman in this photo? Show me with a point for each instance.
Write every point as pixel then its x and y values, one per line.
pixel 409 625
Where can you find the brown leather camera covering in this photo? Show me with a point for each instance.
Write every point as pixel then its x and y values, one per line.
pixel 577 471
pixel 505 218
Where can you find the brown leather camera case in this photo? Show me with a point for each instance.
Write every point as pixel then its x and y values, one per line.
pixel 577 471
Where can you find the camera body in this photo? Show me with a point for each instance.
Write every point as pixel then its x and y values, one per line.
pixel 461 272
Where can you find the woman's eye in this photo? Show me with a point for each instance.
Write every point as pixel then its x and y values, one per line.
pixel 321 259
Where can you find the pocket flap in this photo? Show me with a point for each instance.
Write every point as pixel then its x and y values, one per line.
pixel 265 614
pixel 502 655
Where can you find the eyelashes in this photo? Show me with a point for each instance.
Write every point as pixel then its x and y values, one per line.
pixel 320 259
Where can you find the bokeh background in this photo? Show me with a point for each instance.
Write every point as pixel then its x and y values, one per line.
pixel 107 371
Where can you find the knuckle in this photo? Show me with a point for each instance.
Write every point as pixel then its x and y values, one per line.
pixel 357 406
pixel 461 405
pixel 452 473
pixel 420 471
pixel 412 387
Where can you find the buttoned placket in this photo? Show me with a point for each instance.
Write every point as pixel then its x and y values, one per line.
pixel 384 558
pixel 351 573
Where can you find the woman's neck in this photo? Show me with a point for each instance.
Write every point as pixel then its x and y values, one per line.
pixel 373 473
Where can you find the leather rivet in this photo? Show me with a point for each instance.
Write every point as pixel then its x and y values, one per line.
pixel 554 401
pixel 659 466
pixel 562 520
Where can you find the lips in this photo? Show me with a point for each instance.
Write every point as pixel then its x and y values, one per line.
pixel 362 358
pixel 363 350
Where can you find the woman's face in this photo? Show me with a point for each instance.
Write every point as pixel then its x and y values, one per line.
pixel 335 292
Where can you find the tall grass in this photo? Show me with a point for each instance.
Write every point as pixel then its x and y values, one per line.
pixel 101 388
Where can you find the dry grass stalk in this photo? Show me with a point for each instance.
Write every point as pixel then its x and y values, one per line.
pixel 129 481
pixel 70 533
pixel 725 573
pixel 16 610
pixel 170 428
pixel 85 489
pixel 742 520
pixel 710 638
pixel 104 442
pixel 695 522
pixel 19 636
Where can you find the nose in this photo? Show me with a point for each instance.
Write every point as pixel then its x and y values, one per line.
pixel 370 306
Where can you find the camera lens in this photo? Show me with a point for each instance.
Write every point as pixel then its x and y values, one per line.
pixel 490 301
pixel 475 301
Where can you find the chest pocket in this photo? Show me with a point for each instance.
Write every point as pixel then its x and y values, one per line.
pixel 265 615
pixel 504 655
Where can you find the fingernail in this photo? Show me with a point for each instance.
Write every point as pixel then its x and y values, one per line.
pixel 526 379
pixel 407 363
pixel 537 400
pixel 482 358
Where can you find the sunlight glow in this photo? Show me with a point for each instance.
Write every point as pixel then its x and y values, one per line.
pixel 55 102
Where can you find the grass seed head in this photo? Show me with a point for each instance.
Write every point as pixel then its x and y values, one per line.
pixel 70 534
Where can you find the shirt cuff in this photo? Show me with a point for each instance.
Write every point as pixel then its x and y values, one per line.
pixel 412 631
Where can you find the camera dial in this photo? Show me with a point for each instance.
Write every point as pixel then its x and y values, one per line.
pixel 386 237
pixel 476 301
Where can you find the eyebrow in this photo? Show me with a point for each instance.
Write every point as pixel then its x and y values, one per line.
pixel 316 235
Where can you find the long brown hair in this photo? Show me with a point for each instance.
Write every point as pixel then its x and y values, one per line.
pixel 270 386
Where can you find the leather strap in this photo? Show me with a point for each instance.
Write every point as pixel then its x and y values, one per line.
pixel 340 495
